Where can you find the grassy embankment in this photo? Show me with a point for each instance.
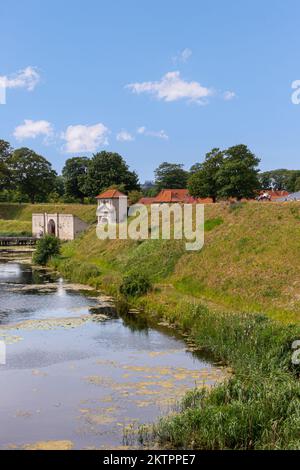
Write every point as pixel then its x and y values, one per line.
pixel 249 266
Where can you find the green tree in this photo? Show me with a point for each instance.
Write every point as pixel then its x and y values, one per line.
pixel 5 154
pixel 171 176
pixel 238 175
pixel 204 179
pixel 32 174
pixel 293 178
pixel 58 191
pixel 280 180
pixel 74 174
pixel 134 196
pixel 108 169
pixel 297 185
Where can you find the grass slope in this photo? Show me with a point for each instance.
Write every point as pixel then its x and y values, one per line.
pixel 250 260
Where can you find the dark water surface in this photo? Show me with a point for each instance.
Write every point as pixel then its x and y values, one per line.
pixel 76 379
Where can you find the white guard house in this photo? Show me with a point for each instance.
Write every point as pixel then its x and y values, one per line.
pixel 112 207
pixel 63 226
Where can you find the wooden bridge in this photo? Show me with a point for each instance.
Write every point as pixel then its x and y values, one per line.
pixel 18 241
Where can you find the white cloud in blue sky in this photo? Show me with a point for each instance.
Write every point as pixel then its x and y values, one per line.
pixel 172 87
pixel 27 78
pixel 125 136
pixel 33 129
pixel 158 134
pixel 183 56
pixel 81 138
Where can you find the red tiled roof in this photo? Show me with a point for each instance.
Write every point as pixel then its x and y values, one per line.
pixel 170 196
pixel 147 200
pixel 111 194
pixel 179 196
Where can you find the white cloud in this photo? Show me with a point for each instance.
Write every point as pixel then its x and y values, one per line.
pixel 183 56
pixel 124 136
pixel 159 134
pixel 229 95
pixel 27 78
pixel 173 88
pixel 82 138
pixel 32 129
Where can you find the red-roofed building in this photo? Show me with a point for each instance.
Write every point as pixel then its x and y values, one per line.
pixel 172 196
pixel 111 194
pixel 147 201
pixel 112 207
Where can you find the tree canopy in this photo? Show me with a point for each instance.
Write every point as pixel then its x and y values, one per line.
pixel 224 174
pixel 74 174
pixel 204 179
pixel 280 180
pixel 32 174
pixel 238 175
pixel 107 169
pixel 5 153
pixel 171 176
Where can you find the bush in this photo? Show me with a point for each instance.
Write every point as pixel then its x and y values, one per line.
pixel 47 247
pixel 135 285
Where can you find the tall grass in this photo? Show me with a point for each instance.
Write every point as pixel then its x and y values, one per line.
pixel 258 407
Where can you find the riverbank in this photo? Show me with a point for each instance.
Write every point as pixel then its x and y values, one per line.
pixel 258 408
pixel 238 299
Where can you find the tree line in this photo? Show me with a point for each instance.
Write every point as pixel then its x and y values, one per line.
pixel 26 176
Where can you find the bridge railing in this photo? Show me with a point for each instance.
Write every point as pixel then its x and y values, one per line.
pixel 18 241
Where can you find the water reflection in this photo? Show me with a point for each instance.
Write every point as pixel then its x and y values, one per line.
pixel 76 371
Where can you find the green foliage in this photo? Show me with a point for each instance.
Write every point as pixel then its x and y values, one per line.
pixel 171 176
pixel 226 174
pixel 258 407
pixel 76 271
pixel 5 153
pixel 281 180
pixel 134 196
pixel 31 173
pixel 106 169
pixel 204 177
pixel 74 175
pixel 47 247
pixel 135 285
pixel 238 175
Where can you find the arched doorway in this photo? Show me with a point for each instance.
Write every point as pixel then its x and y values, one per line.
pixel 51 227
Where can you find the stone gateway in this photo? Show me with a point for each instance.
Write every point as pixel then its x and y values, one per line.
pixel 63 226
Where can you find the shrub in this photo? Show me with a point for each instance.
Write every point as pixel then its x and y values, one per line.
pixel 135 285
pixel 47 247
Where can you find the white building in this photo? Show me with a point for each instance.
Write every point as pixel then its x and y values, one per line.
pixel 63 226
pixel 112 207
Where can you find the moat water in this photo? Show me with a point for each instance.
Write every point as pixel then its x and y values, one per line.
pixel 77 375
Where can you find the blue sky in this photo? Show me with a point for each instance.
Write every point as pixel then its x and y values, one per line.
pixel 155 81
